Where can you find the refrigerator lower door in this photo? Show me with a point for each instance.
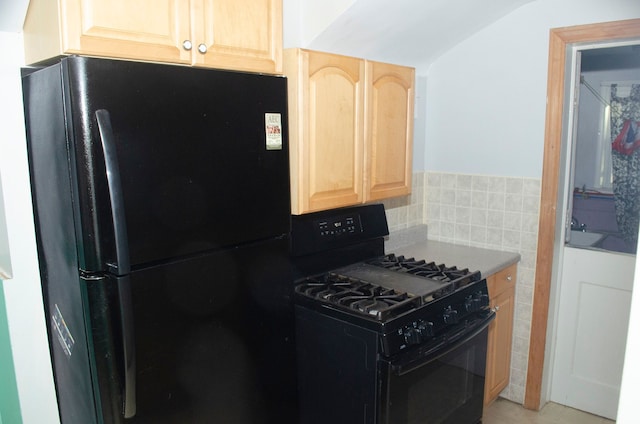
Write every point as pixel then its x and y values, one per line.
pixel 214 339
pixel 70 348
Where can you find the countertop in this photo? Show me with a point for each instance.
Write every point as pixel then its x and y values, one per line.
pixel 487 261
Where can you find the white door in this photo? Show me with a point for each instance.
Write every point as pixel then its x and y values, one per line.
pixel 593 318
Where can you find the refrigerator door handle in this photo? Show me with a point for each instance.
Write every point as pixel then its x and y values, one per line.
pixel 122 265
pixel 128 345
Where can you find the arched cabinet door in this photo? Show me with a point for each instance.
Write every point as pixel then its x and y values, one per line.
pixel 389 130
pixel 326 118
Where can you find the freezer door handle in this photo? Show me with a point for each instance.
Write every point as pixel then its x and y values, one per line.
pixel 129 347
pixel 122 264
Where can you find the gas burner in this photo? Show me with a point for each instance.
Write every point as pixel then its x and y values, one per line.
pixel 374 304
pixel 355 295
pixel 431 270
pixel 370 306
pixel 325 289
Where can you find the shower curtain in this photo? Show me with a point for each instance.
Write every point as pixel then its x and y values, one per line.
pixel 625 160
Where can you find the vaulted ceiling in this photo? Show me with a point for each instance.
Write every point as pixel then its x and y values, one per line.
pixel 409 32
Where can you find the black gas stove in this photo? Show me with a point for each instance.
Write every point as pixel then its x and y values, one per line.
pixel 371 325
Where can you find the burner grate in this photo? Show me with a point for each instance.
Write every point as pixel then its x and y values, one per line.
pixel 358 296
pixel 431 270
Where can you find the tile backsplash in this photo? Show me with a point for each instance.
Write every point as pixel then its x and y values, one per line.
pixel 493 212
pixel 407 211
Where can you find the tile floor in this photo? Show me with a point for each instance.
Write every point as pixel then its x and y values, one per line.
pixel 503 411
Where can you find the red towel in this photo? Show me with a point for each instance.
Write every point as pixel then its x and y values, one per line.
pixel 628 140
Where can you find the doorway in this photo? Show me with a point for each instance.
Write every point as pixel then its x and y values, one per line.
pixel 594 278
pixel 550 241
pixel 603 200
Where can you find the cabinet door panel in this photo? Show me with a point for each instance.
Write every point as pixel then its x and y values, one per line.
pixel 239 34
pixel 335 138
pixel 143 29
pixel 502 292
pixel 500 335
pixel 388 154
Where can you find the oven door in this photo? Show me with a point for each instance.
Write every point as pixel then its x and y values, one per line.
pixel 437 384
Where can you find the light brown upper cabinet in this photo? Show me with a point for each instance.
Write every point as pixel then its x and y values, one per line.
pixel 230 34
pixel 326 122
pixel 388 130
pixel 351 129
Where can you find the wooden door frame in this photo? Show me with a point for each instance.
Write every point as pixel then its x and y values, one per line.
pixel 560 39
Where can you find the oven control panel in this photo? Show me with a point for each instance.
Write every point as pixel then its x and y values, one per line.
pixel 321 231
pixel 417 332
pixel 338 226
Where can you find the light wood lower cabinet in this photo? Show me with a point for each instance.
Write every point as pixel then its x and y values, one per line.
pixel 233 34
pixel 502 298
pixel 351 129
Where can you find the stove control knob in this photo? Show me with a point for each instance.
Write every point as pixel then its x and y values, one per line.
pixel 412 336
pixel 450 316
pixel 471 304
pixel 483 299
pixel 425 328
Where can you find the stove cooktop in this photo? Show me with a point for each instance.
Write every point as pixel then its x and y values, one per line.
pixel 385 287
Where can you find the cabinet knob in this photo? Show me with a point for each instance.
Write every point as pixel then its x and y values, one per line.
pixel 495 309
pixel 186 44
pixel 509 278
pixel 202 48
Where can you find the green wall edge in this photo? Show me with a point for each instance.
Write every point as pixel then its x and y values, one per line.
pixel 9 401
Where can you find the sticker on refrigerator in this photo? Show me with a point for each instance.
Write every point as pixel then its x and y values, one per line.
pixel 62 331
pixel 273 130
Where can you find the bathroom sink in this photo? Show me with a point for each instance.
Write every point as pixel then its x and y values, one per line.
pixel 580 238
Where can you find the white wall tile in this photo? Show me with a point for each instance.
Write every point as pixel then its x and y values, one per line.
pixel 479 199
pixel 480 183
pixel 496 200
pixel 448 196
pixel 463 197
pixel 514 185
pixel 464 182
pixel 479 216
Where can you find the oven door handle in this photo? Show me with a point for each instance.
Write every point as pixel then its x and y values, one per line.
pixel 445 347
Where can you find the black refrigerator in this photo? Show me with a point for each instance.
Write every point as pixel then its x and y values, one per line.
pixel 162 214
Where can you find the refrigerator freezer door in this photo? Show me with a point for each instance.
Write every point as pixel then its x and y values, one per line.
pixel 202 154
